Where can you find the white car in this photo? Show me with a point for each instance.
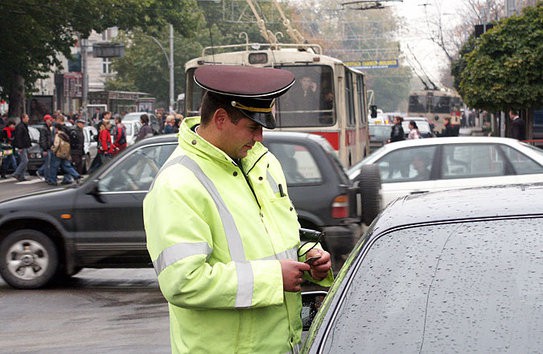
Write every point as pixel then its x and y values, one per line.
pixel 132 130
pixel 90 146
pixel 427 165
pixel 425 130
pixel 135 117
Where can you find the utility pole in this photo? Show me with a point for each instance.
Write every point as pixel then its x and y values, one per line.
pixel 169 60
pixel 171 64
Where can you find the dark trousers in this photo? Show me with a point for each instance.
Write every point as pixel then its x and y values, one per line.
pixel 77 161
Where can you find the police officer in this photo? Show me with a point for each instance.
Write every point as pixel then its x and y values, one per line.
pixel 221 229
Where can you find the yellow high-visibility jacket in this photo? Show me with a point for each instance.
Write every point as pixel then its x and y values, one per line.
pixel 216 232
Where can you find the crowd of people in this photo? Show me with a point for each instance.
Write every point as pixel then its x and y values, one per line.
pixel 62 141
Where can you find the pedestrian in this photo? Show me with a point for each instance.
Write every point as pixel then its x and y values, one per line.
pixel 518 126
pixel 145 131
pixel 396 132
pixel 46 141
pixel 413 130
pixel 105 146
pixel 77 145
pixel 120 143
pixel 448 129
pixel 170 126
pixel 22 142
pixel 8 157
pixel 221 229
pixel 61 156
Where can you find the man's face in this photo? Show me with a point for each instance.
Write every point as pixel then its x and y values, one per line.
pixel 49 122
pixel 306 83
pixel 240 137
pixel 26 118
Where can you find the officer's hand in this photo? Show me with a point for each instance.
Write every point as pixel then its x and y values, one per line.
pixel 292 274
pixel 321 266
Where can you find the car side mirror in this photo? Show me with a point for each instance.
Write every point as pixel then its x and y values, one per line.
pixel 311 303
pixel 93 189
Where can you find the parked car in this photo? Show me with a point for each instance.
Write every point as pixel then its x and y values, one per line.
pixel 135 116
pixel 453 271
pixel 425 165
pixel 379 135
pixel 55 233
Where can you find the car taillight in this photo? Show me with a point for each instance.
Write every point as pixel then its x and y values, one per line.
pixel 340 207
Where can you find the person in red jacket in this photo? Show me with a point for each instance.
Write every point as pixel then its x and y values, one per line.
pixel 8 161
pixel 105 146
pixel 120 142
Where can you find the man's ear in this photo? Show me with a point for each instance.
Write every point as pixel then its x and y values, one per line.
pixel 220 117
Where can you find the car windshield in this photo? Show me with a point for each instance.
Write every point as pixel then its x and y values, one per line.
pixel 471 287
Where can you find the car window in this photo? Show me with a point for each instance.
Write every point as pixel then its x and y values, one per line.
pixel 472 160
pixel 442 288
pixel 298 164
pixel 137 170
pixel 407 165
pixel 522 164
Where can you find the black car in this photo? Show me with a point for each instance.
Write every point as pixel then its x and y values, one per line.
pixel 457 271
pixel 99 224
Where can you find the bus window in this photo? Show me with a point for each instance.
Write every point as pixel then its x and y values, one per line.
pixel 361 99
pixel 194 95
pixel 310 102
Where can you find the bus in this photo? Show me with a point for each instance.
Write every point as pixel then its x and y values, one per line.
pixel 328 97
pixel 435 105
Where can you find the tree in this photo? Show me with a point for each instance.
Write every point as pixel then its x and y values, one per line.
pixel 144 67
pixel 37 32
pixel 353 35
pixel 505 67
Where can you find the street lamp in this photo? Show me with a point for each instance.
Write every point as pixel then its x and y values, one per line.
pixel 170 62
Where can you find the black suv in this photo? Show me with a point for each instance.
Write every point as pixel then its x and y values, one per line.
pixel 99 224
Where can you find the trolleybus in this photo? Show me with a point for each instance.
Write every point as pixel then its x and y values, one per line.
pixel 435 105
pixel 328 98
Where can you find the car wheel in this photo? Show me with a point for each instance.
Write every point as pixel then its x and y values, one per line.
pixel 29 259
pixel 369 182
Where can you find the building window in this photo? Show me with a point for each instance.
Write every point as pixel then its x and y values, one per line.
pixel 106 66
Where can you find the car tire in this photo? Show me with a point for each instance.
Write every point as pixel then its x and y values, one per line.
pixel 369 183
pixel 29 259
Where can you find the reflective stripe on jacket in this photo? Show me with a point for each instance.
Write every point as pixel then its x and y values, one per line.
pixel 215 246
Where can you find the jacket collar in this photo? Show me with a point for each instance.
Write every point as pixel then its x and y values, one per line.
pixel 191 141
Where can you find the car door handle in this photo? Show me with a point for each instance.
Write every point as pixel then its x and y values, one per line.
pixel 419 192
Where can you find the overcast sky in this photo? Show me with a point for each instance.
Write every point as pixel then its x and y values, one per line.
pixel 416 35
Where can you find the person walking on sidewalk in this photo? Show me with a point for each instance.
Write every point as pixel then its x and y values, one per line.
pixel 8 161
pixel 77 142
pixel 22 142
pixel 46 141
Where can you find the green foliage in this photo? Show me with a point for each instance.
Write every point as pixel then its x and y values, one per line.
pixel 352 36
pixel 144 67
pixel 505 67
pixel 34 32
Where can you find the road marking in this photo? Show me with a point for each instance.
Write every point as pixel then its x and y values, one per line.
pixel 13 180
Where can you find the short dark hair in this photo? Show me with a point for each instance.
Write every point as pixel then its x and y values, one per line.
pixel 211 102
pixel 144 118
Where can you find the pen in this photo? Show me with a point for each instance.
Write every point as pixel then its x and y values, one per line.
pixel 281 193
